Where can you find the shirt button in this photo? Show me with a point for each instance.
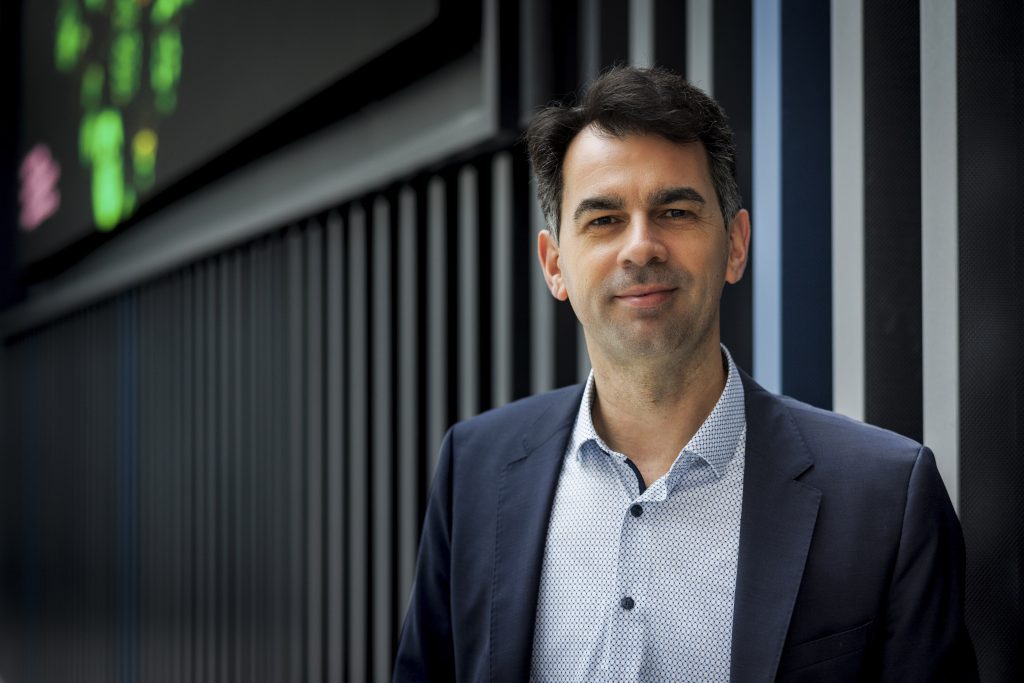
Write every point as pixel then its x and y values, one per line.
pixel 636 509
pixel 627 602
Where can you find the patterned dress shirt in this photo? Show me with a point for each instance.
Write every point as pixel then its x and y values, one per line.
pixel 638 584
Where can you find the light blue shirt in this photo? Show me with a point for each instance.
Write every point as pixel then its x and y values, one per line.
pixel 639 585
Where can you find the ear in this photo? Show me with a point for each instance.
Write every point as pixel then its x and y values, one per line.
pixel 739 247
pixel 547 253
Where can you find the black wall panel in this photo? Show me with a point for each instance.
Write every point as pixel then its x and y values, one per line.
pixel 990 82
pixel 892 216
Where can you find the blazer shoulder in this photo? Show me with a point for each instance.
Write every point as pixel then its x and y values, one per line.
pixel 829 432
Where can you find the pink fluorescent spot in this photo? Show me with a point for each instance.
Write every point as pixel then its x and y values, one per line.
pixel 39 195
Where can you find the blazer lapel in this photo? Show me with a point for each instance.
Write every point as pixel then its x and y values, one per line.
pixel 525 496
pixel 779 514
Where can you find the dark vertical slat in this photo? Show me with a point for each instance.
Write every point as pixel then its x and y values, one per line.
pixel 296 466
pixel 437 330
pixel 187 563
pixel 335 451
pixel 732 60
pixel 240 572
pixel 358 446
pixel 381 475
pixel 223 460
pixel 313 455
pixel 408 446
pixel 892 218
pixel 990 172
pixel 279 618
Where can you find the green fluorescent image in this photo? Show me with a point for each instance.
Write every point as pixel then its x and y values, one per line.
pixel 125 65
pixel 120 118
pixel 104 147
pixel 72 36
pixel 165 69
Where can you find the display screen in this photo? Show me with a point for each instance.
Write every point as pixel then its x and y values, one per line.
pixel 120 98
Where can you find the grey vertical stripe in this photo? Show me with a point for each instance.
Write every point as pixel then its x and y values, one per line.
pixel 940 333
pixel 469 293
pixel 542 312
pixel 409 446
pixel 501 278
pixel 314 373
pixel 437 319
pixel 767 251
pixel 358 443
pixel 848 208
pixel 335 453
pixel 383 496
pixel 699 44
pixel 641 32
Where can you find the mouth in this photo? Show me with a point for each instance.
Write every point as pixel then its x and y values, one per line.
pixel 646 296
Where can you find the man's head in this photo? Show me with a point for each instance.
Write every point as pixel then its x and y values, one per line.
pixel 640 203
pixel 626 101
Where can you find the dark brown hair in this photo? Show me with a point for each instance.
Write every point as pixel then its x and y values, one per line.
pixel 628 101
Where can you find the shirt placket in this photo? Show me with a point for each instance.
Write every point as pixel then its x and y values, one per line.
pixel 627 635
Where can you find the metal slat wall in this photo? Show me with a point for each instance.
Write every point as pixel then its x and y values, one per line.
pixel 224 470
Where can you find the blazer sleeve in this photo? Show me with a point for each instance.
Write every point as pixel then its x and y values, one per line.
pixel 925 637
pixel 425 649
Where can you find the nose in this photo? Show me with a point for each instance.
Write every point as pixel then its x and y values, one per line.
pixel 643 244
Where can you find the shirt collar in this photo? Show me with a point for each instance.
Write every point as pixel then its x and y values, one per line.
pixel 715 442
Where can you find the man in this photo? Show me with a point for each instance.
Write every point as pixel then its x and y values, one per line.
pixel 671 520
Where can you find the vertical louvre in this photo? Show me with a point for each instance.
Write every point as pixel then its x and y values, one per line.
pixel 237 489
pixel 381 475
pixel 358 450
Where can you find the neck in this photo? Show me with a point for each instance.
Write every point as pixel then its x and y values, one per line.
pixel 649 410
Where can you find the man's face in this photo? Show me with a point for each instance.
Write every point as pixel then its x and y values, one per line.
pixel 643 251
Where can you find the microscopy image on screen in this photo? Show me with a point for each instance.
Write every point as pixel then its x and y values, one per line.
pixel 121 98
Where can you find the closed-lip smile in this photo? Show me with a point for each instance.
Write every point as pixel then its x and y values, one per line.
pixel 645 296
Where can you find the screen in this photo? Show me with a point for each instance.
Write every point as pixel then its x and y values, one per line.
pixel 120 98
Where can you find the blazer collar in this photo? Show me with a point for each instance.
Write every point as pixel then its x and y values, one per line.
pixel 526 493
pixel 779 514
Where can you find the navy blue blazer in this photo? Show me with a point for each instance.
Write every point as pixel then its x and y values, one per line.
pixel 851 558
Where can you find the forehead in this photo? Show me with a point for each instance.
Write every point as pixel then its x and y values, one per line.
pixel 631 167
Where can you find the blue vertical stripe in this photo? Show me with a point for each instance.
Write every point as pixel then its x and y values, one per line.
pixel 767 217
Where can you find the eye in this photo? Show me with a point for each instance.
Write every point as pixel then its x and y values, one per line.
pixel 678 213
pixel 603 220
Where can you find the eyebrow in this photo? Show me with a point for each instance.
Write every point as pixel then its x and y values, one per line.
pixel 599 203
pixel 670 195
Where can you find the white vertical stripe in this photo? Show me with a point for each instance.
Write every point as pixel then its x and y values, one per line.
pixel 542 314
pixel 501 269
pixel 939 254
pixel 767 250
pixel 641 32
pixel 700 44
pixel 847 208
pixel 469 296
